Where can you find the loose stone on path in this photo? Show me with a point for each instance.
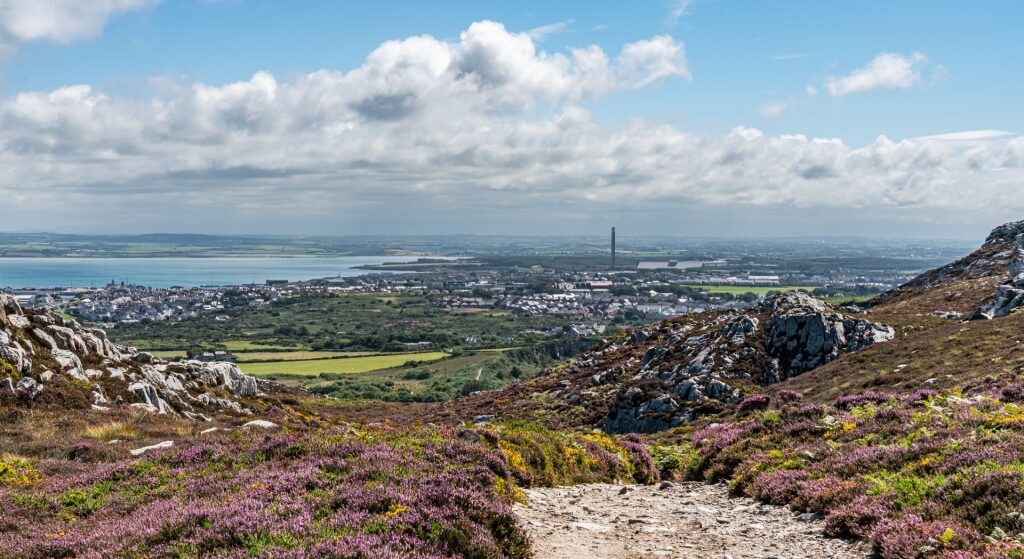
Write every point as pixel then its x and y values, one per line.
pixel 687 520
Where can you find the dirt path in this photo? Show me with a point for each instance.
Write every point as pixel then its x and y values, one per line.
pixel 689 520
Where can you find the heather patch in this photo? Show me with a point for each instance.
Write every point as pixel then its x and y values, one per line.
pixel 415 493
pixel 919 475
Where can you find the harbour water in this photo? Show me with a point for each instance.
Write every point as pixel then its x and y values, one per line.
pixel 185 272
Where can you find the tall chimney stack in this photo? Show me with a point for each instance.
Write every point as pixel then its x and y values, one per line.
pixel 613 248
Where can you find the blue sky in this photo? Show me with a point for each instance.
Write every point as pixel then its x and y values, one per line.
pixel 736 77
pixel 735 48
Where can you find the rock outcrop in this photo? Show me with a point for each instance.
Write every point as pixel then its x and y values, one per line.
pixel 1010 295
pixel 803 333
pixel 660 376
pixel 988 283
pixel 41 348
pixel 690 367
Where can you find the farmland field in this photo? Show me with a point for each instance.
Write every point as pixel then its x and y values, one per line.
pixel 170 354
pixel 314 367
pixel 302 355
pixel 840 299
pixel 358 322
pixel 246 345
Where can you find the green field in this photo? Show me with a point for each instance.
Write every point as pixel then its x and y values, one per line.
pixel 313 367
pixel 303 355
pixel 245 345
pixel 170 354
pixel 840 299
pixel 433 381
pixel 359 322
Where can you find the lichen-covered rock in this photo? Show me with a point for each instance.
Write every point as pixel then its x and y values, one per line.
pixel 1006 299
pixel 8 308
pixel 111 371
pixel 44 339
pixel 632 415
pixel 158 446
pixel 803 333
pixel 148 396
pixel 144 357
pixel 13 353
pixel 67 339
pixel 29 387
pixel 1001 256
pixel 145 392
pixel 227 375
pixel 66 359
pixel 1010 295
pixel 683 370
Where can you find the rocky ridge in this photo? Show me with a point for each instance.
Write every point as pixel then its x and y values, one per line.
pixel 662 376
pixel 1010 295
pixel 786 335
pixel 986 284
pixel 47 359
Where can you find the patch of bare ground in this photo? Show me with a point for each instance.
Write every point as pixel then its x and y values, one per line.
pixel 689 520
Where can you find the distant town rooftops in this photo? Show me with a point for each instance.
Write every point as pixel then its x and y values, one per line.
pixel 677 264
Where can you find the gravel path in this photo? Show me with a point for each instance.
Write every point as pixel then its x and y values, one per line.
pixel 690 520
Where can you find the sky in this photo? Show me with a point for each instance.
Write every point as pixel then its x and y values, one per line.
pixel 699 117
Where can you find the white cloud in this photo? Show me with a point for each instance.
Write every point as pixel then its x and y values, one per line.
pixel 483 128
pixel 539 33
pixel 794 56
pixel 811 91
pixel 59 21
pixel 885 71
pixel 646 62
pixel 677 9
pixel 773 109
pixel 966 136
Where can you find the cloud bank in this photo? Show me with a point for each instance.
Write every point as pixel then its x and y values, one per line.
pixel 486 131
pixel 59 21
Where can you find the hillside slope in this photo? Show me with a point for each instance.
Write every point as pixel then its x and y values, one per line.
pixel 657 378
pixel 48 361
pixel 982 285
pixel 901 424
pixel 109 452
pixel 704 365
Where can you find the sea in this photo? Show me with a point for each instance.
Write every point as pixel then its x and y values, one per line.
pixel 185 272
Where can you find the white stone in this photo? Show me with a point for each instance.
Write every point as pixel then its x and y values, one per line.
pixel 260 424
pixel 157 446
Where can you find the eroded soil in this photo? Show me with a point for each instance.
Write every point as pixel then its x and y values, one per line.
pixel 689 520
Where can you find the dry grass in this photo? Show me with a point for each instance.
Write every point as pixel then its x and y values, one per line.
pixel 948 354
pixel 63 442
pixel 353 365
pixel 110 431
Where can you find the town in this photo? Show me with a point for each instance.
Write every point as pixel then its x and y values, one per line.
pixel 649 291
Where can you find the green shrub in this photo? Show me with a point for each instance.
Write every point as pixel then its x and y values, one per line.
pixel 8 370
